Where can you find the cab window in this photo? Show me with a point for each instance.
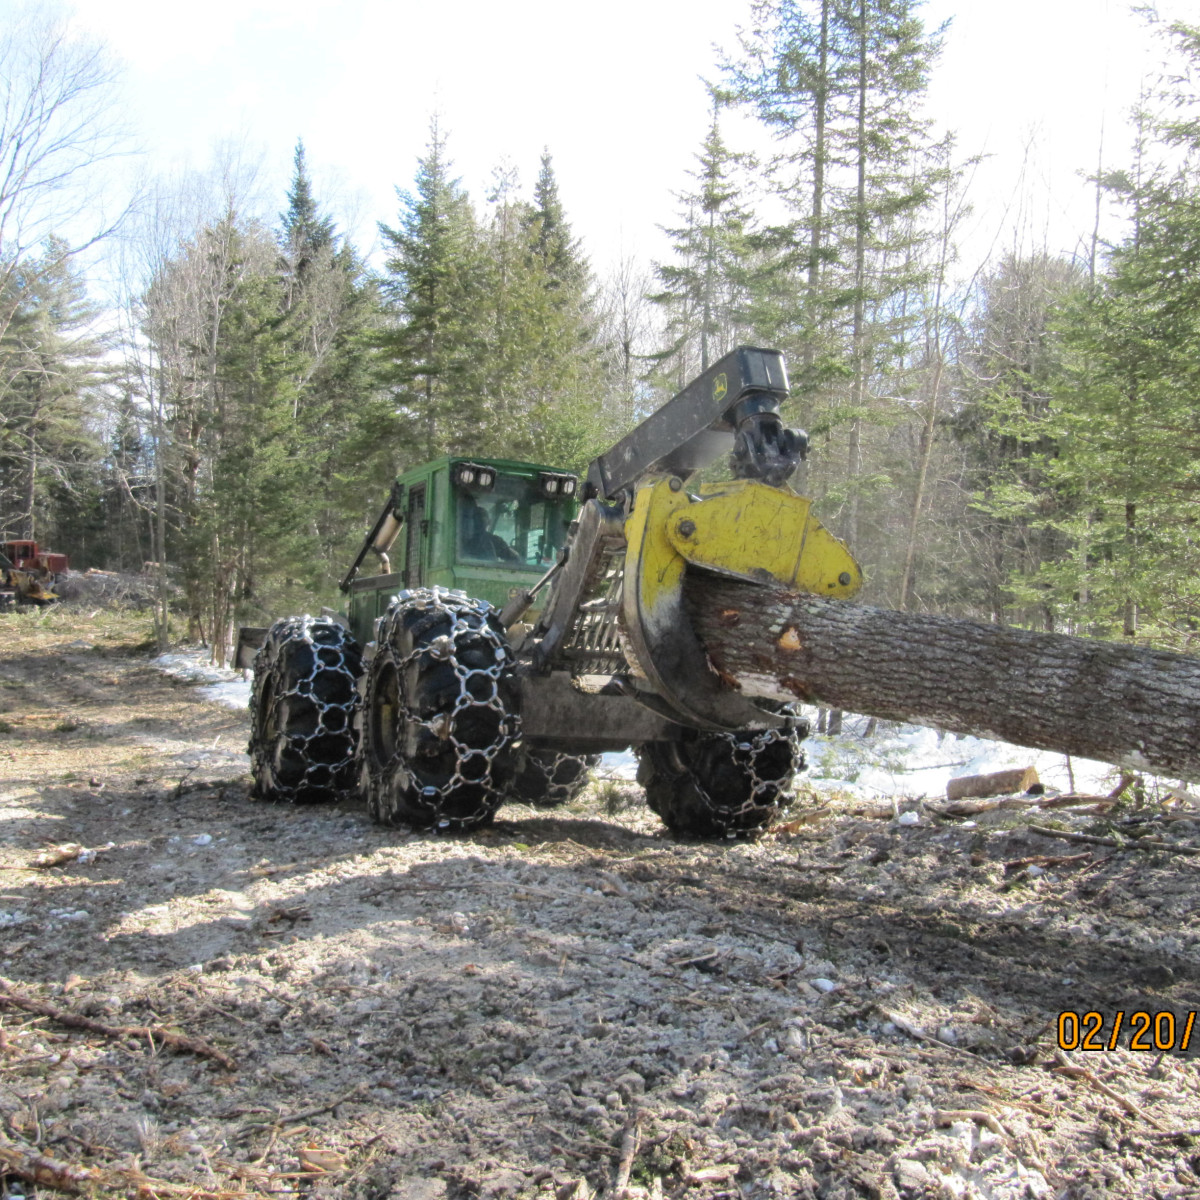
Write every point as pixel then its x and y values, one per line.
pixel 511 524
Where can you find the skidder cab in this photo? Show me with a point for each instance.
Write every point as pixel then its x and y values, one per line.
pixel 489 528
pixel 523 620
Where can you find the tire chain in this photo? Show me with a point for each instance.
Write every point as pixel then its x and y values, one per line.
pixel 719 783
pixel 557 777
pixel 468 623
pixel 334 650
pixel 747 751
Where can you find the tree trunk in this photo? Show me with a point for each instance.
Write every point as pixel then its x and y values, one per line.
pixel 1137 708
pixel 858 384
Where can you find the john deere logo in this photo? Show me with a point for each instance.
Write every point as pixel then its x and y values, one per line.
pixel 720 387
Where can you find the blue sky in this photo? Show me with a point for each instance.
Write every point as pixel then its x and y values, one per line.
pixel 615 91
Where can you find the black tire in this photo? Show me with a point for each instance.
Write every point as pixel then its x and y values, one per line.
pixel 303 741
pixel 721 784
pixel 440 713
pixel 549 778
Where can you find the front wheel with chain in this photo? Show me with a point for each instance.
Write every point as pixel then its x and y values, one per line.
pixel 302 707
pixel 549 778
pixel 440 713
pixel 721 784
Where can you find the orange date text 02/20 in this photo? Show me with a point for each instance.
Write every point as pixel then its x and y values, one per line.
pixel 1136 1030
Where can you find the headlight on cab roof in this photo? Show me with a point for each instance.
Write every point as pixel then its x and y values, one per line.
pixel 472 475
pixel 554 484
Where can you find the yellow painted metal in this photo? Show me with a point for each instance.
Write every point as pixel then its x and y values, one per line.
pixel 766 534
pixel 744 529
pixel 653 567
pixel 27 586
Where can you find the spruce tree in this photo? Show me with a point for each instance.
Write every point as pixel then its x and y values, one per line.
pixel 550 236
pixel 705 290
pixel 432 289
pixel 306 234
pixel 331 311
pixel 1109 490
pixel 538 370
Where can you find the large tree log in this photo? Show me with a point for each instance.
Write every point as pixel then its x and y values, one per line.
pixel 1122 704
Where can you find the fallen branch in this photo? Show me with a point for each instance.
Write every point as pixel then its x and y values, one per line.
pixel 177 1041
pixel 1122 785
pixel 1067 1068
pixel 975 1086
pixel 630 1138
pixel 1045 860
pixel 1092 840
pixel 45 1172
pixel 569 1143
pixel 1175 1133
pixel 1077 800
pixel 970 807
pixel 799 820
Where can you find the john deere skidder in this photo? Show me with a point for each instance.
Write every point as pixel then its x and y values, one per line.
pixel 525 621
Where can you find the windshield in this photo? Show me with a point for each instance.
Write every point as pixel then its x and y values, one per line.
pixel 511 524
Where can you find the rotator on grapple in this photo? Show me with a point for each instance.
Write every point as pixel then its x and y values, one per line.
pixel 530 623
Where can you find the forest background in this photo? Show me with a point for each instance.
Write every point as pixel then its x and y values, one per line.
pixel 190 379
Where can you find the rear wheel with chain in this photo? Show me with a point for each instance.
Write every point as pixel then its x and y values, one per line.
pixel 440 713
pixel 550 778
pixel 721 784
pixel 302 704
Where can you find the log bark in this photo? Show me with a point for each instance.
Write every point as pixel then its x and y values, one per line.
pixel 1122 704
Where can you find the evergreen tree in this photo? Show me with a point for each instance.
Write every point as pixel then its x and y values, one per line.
pixel 489 348
pixel 50 376
pixel 550 236
pixel 306 236
pixel 1011 371
pixel 331 309
pixel 433 289
pixel 1108 493
pixel 705 290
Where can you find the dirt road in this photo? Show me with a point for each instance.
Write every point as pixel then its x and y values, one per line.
pixel 561 1005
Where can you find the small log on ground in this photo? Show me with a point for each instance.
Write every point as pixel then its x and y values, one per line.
pixel 1134 707
pixel 998 783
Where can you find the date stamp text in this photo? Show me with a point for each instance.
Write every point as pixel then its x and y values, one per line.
pixel 1136 1030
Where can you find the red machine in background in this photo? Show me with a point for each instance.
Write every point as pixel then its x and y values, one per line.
pixel 27 573
pixel 27 556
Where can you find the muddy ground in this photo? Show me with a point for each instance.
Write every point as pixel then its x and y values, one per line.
pixel 562 1003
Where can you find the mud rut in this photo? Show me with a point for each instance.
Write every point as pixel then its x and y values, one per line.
pixel 562 1005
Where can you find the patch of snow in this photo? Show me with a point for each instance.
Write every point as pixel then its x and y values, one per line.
pixel 917 762
pixel 233 693
pixel 220 684
pixel 620 764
